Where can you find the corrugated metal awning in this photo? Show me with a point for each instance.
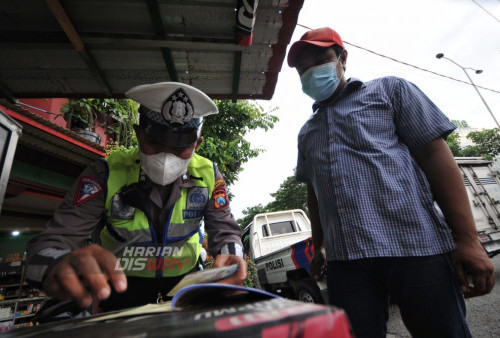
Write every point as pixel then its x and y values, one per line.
pixel 73 48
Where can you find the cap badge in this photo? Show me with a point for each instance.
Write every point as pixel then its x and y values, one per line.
pixel 178 108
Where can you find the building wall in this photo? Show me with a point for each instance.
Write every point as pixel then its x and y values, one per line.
pixel 50 108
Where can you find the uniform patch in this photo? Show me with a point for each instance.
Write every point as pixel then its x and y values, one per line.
pixel 88 188
pixel 219 183
pixel 196 201
pixel 220 198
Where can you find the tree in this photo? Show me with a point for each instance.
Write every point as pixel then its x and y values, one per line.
pixel 224 135
pixel 116 115
pixel 460 123
pixel 250 213
pixel 291 194
pixel 124 112
pixel 487 142
pixel 454 143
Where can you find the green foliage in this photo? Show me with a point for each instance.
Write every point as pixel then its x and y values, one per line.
pixel 460 123
pixel 224 135
pixel 87 112
pixel 291 194
pixel 454 144
pixel 81 113
pixel 251 280
pixel 124 114
pixel 249 213
pixel 486 144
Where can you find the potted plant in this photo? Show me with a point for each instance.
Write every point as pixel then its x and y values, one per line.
pixel 117 116
pixel 81 116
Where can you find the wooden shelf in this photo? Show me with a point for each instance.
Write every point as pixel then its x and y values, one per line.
pixel 13 278
pixel 21 300
pixel 12 285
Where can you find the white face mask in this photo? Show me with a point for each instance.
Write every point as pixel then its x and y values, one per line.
pixel 163 168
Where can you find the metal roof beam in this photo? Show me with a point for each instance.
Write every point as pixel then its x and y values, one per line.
pixel 154 13
pixel 4 92
pixel 172 44
pixel 236 75
pixel 73 36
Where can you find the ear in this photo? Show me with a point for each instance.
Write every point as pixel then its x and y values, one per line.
pixel 343 58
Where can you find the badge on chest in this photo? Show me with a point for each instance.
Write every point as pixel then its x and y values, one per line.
pixel 196 202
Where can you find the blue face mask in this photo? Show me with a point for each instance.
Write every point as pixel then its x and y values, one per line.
pixel 319 82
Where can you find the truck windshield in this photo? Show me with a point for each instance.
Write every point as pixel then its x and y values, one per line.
pixel 280 228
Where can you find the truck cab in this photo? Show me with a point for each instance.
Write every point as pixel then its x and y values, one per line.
pixel 281 246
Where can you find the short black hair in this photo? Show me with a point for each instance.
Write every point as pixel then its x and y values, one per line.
pixel 337 49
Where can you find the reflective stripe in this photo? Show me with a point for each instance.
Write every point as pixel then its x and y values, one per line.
pixel 123 234
pixel 179 230
pixel 232 249
pixel 54 253
pixel 35 272
pixel 182 229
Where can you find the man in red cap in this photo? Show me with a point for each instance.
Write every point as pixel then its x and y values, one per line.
pixel 374 157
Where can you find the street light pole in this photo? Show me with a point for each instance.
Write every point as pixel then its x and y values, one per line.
pixel 441 56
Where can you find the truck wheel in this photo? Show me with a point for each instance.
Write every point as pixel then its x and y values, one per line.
pixel 307 291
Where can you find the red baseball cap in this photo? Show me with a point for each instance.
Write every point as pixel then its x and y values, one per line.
pixel 321 37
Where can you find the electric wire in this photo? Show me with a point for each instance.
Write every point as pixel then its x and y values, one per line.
pixel 410 65
pixel 484 9
pixel 36 108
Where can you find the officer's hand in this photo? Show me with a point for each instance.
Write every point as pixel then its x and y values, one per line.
pixel 239 276
pixel 470 260
pixel 318 263
pixel 84 272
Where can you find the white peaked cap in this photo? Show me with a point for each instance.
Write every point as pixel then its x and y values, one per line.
pixel 154 96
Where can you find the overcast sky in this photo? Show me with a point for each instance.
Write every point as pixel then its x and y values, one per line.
pixel 411 31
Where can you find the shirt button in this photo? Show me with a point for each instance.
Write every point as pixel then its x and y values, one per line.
pixel 342 211
pixel 338 184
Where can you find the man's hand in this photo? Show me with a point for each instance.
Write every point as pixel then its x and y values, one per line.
pixel 318 263
pixel 239 276
pixel 470 260
pixel 84 272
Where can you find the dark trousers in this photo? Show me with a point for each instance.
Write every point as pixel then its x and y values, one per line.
pixel 425 289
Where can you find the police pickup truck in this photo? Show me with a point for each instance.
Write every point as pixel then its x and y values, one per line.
pixel 281 246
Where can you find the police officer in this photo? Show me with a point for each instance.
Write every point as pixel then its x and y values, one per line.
pixel 156 195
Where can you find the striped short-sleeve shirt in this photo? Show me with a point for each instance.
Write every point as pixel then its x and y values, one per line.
pixel 355 151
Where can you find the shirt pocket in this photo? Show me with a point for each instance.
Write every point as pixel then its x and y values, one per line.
pixel 370 128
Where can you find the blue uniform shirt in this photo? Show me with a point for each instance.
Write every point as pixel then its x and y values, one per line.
pixel 355 151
